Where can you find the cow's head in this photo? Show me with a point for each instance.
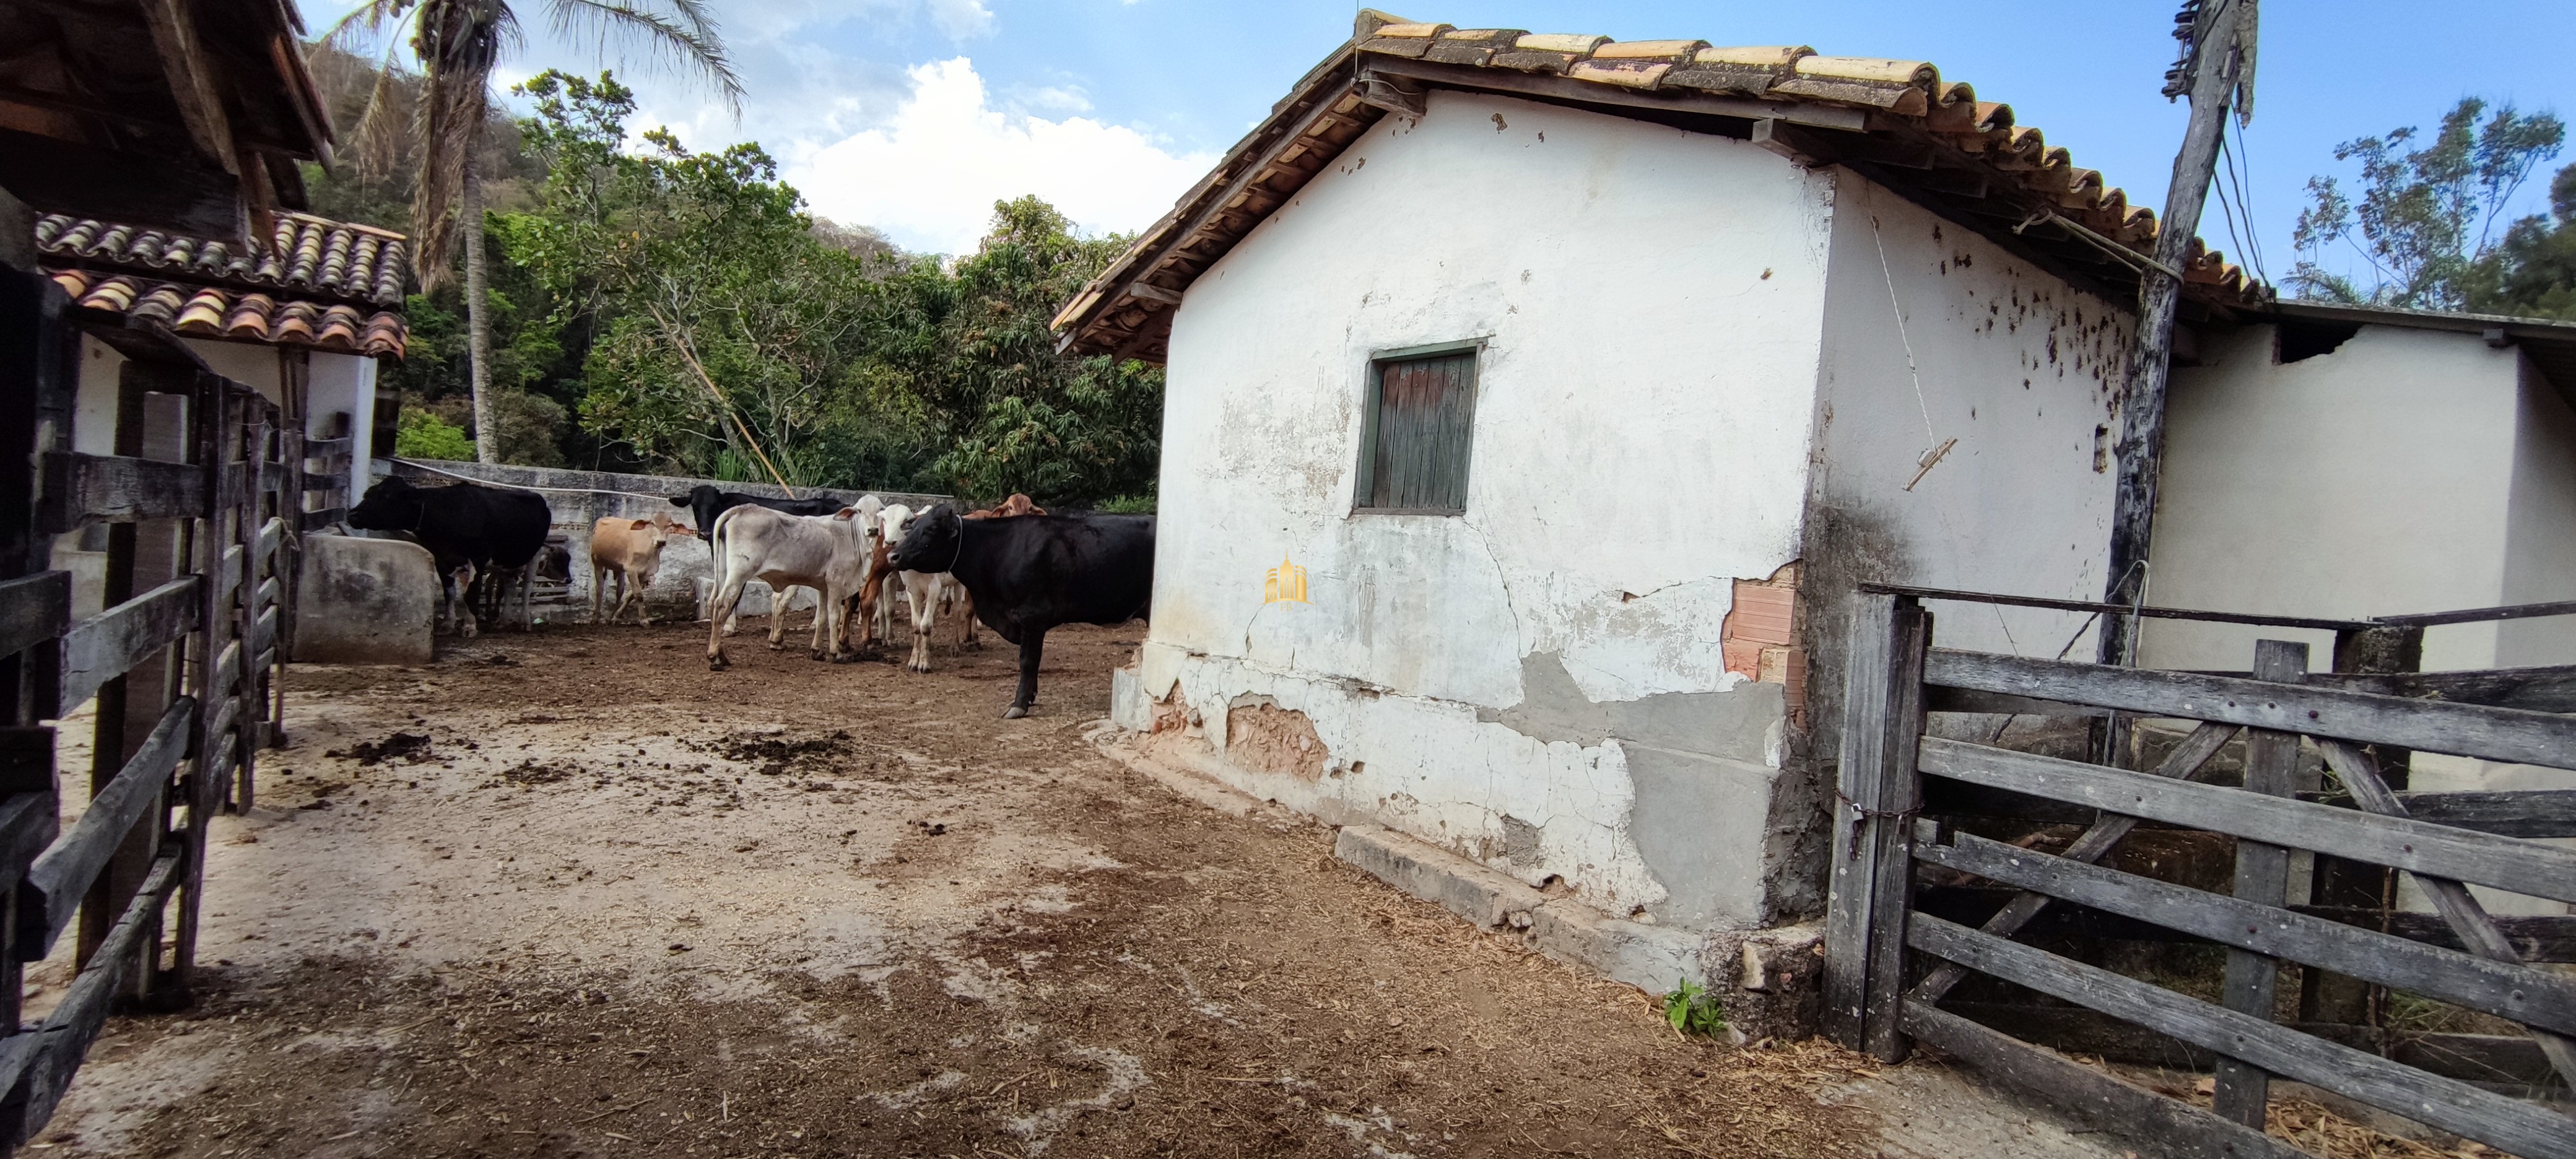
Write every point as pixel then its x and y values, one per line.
pixel 701 501
pixel 859 523
pixel 648 535
pixel 554 562
pixel 393 504
pixel 931 543
pixel 891 520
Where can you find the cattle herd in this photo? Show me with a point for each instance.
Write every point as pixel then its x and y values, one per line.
pixel 1014 567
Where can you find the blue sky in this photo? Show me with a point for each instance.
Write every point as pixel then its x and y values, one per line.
pixel 914 115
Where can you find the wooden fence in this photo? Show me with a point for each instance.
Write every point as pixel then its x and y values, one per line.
pixel 197 498
pixel 1919 814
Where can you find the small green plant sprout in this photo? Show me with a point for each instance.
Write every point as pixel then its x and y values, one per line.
pixel 1692 1009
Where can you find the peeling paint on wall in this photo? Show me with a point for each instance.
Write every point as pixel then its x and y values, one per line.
pixel 1733 723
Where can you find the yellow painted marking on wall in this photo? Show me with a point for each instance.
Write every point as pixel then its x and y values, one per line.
pixel 1284 584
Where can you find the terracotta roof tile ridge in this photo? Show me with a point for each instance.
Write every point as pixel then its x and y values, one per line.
pixel 342 259
pixel 1896 121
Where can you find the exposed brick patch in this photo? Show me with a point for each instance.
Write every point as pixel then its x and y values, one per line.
pixel 1760 637
pixel 1265 737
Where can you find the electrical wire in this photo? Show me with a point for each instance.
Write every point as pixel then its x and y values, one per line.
pixel 2243 181
pixel 2227 210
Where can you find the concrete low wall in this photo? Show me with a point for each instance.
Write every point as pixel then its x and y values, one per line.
pixel 364 601
pixel 580 499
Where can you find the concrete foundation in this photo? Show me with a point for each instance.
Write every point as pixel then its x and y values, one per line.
pixel 365 601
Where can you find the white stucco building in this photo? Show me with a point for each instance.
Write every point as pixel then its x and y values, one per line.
pixel 2354 463
pixel 1666 346
pixel 304 316
pixel 1584 380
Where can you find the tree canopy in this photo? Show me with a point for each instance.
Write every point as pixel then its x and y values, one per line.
pixel 2424 221
pixel 666 309
pixel 2532 272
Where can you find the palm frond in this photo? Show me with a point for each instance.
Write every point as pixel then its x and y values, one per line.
pixel 688 37
pixel 382 134
pixel 333 56
pixel 459 42
pixel 363 24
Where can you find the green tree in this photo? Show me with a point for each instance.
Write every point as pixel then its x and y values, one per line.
pixel 419 434
pixel 2426 216
pixel 1018 416
pixel 458 43
pixel 729 329
pixel 722 330
pixel 2532 272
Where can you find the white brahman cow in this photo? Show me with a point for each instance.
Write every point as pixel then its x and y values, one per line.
pixel 830 553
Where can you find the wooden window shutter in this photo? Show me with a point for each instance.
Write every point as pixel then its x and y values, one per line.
pixel 1422 419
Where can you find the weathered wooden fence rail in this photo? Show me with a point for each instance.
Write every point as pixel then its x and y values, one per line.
pixel 202 502
pixel 1906 928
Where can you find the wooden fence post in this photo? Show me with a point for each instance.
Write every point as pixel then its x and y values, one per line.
pixel 289 569
pixel 1876 795
pixel 2262 877
pixel 156 413
pixel 2326 996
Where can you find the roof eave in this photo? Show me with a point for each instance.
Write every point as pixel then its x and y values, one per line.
pixel 1893 122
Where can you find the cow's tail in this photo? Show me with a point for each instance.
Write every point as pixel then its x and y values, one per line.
pixel 716 538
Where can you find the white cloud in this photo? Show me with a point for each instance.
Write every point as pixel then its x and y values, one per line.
pixel 929 176
pixel 961 19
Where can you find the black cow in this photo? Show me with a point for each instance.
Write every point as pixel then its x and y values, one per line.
pixel 705 503
pixel 1034 572
pixel 491 529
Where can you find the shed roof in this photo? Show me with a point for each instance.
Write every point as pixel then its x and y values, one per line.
pixel 314 282
pixel 1895 121
pixel 2549 344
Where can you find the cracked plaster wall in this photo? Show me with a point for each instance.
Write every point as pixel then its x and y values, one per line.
pixel 1649 300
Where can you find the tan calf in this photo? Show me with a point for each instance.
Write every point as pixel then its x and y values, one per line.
pixel 630 551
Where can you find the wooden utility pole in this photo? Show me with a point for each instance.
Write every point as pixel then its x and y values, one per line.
pixel 2216 70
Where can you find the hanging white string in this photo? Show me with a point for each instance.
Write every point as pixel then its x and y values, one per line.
pixel 1933 447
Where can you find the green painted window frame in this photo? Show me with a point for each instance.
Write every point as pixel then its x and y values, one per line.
pixel 1371 390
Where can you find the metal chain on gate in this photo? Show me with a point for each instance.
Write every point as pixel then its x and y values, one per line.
pixel 1863 813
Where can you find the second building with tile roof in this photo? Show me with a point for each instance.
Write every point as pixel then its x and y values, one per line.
pixel 304 315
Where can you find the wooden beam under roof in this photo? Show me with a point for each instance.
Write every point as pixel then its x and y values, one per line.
pixel 193 81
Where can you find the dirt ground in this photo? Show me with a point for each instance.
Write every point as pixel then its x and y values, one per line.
pixel 570 894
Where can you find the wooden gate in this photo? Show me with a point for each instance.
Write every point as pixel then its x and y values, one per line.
pixel 1890 964
pixel 194 509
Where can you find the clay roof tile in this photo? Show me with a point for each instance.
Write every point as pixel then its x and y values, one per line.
pixel 1909 110
pixel 203 313
pixel 353 271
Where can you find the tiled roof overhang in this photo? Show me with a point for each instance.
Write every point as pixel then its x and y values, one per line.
pixel 305 253
pixel 1895 122
pixel 316 283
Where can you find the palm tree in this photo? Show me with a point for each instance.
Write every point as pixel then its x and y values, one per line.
pixel 458 42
